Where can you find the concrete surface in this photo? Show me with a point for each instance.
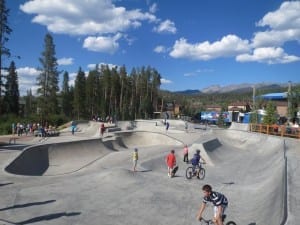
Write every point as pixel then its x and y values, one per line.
pixel 84 179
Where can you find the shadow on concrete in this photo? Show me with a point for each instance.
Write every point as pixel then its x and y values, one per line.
pixel 48 217
pixel 27 205
pixel 4 184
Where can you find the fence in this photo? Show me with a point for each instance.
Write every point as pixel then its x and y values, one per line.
pixel 279 130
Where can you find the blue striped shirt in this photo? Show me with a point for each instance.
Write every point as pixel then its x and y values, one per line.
pixel 216 198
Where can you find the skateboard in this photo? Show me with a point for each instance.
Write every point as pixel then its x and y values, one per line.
pixel 174 171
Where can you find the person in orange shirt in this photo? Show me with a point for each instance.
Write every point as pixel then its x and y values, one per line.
pixel 171 162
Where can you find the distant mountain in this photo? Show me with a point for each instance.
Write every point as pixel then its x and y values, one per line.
pixel 237 88
pixel 188 92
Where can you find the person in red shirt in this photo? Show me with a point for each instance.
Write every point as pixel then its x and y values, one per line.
pixel 171 162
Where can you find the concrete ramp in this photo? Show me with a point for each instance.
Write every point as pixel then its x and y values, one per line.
pixel 57 159
pixel 69 157
pixel 255 166
pixel 143 138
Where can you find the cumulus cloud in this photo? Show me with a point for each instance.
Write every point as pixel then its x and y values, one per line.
pixel 269 55
pixel 65 61
pixel 102 44
pixel 283 25
pixel 166 26
pixel 229 45
pixel 84 17
pixel 165 81
pixel 160 49
pixel 27 79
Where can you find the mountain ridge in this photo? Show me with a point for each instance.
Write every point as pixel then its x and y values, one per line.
pixel 239 88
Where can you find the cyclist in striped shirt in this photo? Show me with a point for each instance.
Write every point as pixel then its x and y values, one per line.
pixel 219 201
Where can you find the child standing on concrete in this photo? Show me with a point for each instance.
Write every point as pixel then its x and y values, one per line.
pixel 135 157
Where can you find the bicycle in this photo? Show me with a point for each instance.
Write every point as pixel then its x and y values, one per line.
pixel 208 222
pixel 198 171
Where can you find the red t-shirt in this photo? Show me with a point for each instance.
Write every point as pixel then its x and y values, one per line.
pixel 171 160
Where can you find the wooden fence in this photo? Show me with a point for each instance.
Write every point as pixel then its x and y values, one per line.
pixel 279 130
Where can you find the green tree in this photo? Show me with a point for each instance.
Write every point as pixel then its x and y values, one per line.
pixel 30 104
pixel 5 31
pixel 48 80
pixel 80 95
pixel 11 98
pixel 270 117
pixel 66 96
pixel 294 102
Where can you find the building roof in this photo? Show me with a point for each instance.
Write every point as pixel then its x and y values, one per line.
pixel 274 96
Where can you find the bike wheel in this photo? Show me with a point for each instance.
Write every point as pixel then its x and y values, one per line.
pixel 201 173
pixel 189 173
pixel 230 223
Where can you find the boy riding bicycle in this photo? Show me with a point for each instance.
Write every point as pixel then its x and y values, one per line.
pixel 196 160
pixel 219 201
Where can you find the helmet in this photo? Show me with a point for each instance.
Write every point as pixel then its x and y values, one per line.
pixel 198 151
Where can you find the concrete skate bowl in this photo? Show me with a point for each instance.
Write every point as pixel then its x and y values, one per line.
pixel 143 138
pixel 255 167
pixel 59 158
pixel 70 157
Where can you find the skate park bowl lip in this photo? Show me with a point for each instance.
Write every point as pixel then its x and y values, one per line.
pixel 69 157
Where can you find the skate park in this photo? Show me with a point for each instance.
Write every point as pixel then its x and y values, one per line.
pixel 88 179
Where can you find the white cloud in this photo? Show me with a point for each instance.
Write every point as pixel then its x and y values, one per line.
pixel 93 66
pixel 166 26
pixel 153 8
pixel 72 78
pixel 197 72
pixel 229 45
pixel 160 49
pixel 269 55
pixel 84 17
pixel 165 81
pixel 286 17
pixel 283 24
pixel 27 79
pixel 192 74
pixel 65 61
pixel 102 44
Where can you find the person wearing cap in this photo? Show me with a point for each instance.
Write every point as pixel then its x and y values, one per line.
pixel 196 159
pixel 171 162
pixel 135 157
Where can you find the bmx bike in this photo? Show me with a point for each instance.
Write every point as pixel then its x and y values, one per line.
pixel 197 171
pixel 209 222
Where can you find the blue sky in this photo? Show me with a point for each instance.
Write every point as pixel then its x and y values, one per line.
pixel 193 44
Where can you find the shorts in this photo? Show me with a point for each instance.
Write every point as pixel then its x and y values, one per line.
pixel 216 210
pixel 134 162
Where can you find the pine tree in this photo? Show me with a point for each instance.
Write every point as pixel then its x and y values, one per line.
pixel 80 95
pixel 270 117
pixel 30 103
pixel 5 31
pixel 11 98
pixel 66 96
pixel 48 80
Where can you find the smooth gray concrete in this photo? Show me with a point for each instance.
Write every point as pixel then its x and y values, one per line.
pixel 88 180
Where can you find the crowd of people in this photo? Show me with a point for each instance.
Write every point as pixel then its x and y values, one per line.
pixel 33 129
